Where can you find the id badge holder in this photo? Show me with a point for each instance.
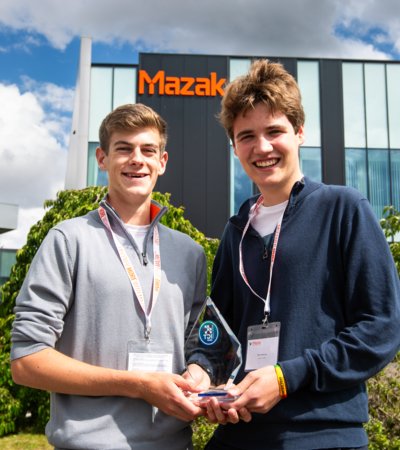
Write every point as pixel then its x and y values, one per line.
pixel 148 361
pixel 262 345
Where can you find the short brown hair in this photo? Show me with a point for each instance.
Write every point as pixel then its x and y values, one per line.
pixel 266 82
pixel 131 117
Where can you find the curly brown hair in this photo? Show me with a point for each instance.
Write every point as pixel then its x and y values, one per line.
pixel 266 82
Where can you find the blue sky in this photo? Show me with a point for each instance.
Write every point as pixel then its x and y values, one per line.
pixel 42 62
pixel 39 53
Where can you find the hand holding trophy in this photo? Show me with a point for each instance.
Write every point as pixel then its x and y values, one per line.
pixel 212 345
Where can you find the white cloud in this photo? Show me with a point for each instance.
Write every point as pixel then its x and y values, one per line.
pixel 244 27
pixel 50 95
pixel 32 153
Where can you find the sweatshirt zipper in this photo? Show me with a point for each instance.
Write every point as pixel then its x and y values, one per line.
pixel 145 261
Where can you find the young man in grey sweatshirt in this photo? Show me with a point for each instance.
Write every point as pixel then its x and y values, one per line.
pixel 102 315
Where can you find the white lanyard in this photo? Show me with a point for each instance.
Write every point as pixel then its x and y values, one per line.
pixel 137 288
pixel 252 213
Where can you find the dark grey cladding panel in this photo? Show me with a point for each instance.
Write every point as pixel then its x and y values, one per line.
pixel 332 125
pixel 197 174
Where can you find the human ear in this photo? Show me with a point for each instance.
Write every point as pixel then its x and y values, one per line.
pixel 100 157
pixel 163 162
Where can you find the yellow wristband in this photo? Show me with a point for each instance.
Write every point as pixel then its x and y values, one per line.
pixel 281 381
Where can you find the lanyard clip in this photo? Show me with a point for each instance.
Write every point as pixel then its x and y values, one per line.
pixel 265 320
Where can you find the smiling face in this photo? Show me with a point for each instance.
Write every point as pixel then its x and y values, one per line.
pixel 268 149
pixel 133 162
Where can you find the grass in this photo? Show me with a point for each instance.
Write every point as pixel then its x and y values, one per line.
pixel 25 441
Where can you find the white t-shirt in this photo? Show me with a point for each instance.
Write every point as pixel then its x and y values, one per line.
pixel 267 218
pixel 138 233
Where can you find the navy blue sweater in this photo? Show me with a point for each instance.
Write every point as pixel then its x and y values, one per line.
pixel 336 292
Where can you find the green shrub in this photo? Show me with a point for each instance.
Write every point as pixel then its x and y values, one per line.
pixel 202 432
pixel 390 224
pixel 384 405
pixel 384 389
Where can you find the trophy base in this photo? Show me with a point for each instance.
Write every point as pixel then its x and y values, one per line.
pixel 220 394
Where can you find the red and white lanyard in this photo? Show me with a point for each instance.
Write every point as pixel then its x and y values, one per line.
pixel 252 213
pixel 137 288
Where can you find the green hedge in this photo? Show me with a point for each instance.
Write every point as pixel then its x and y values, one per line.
pixel 23 408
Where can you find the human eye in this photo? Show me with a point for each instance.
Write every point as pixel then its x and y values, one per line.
pixel 123 149
pixel 244 137
pixel 275 131
pixel 149 150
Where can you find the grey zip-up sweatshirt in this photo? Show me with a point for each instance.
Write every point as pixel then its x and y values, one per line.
pixel 78 299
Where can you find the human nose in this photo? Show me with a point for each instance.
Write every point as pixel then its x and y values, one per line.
pixel 136 156
pixel 263 144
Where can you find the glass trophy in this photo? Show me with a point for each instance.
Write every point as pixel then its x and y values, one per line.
pixel 213 346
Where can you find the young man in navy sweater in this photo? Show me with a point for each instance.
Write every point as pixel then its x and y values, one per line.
pixel 305 278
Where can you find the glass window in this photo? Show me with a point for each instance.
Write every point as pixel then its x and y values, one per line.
pixel 376 111
pixel 395 177
pixel 241 184
pixel 95 177
pixel 100 99
pixel 124 86
pixel 393 95
pixel 379 182
pixel 308 80
pixel 7 260
pixel 238 67
pixel 310 162
pixel 356 169
pixel 353 105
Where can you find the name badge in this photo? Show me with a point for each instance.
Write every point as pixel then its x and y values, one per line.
pixel 262 345
pixel 150 362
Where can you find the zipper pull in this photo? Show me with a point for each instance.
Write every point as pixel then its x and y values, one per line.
pixel 145 261
pixel 265 252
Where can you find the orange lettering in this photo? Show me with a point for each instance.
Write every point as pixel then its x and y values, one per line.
pixel 216 87
pixel 172 86
pixel 188 84
pixel 159 77
pixel 202 87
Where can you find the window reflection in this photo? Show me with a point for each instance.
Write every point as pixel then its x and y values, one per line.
pixel 241 184
pixel 238 67
pixel 393 95
pixel 395 177
pixel 375 99
pixel 310 163
pixel 7 260
pixel 356 169
pixel 378 174
pixel 100 98
pixel 353 105
pixel 371 167
pixel 124 86
pixel 241 187
pixel 308 80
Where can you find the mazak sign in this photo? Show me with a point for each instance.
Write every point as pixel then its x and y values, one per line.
pixel 162 84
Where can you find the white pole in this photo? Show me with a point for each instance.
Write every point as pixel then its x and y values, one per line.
pixel 76 175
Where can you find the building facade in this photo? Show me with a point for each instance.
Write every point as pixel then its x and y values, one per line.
pixel 352 127
pixel 8 222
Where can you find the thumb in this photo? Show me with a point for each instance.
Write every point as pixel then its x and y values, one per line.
pixel 241 387
pixel 186 384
